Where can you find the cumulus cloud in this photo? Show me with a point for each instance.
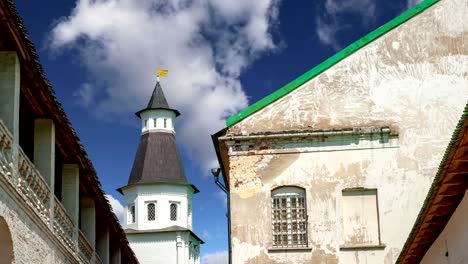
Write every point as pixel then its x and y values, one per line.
pixel 330 22
pixel 411 3
pixel 220 257
pixel 116 207
pixel 205 45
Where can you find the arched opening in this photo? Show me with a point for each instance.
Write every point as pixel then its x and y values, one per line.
pixel 6 244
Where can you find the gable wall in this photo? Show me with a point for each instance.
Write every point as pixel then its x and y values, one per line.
pixel 414 80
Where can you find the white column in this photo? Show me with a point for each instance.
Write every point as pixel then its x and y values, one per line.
pixel 71 193
pixel 44 156
pixel 88 220
pixel 44 149
pixel 10 96
pixel 103 244
pixel 179 252
pixel 115 257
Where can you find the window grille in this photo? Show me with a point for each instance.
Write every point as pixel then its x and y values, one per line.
pixel 289 217
pixel 132 214
pixel 173 212
pixel 151 212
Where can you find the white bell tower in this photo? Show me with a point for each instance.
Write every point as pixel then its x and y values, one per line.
pixel 158 197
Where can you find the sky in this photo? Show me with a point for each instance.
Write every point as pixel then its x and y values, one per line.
pixel 101 58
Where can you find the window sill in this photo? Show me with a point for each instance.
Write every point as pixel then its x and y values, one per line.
pixel 289 249
pixel 362 247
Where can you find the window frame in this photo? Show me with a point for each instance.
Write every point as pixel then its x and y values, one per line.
pixel 148 211
pixel 287 221
pixel 363 192
pixel 177 214
pixel 131 214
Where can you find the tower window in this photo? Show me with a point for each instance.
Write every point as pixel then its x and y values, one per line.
pixel 146 123
pixel 173 212
pixel 154 123
pixel 165 122
pixel 151 211
pixel 131 214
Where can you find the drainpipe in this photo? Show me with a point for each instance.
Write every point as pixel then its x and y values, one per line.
pixel 215 172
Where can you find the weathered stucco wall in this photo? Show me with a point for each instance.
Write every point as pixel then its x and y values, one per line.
pixel 414 80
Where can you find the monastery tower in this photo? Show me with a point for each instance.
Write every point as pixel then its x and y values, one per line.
pixel 158 198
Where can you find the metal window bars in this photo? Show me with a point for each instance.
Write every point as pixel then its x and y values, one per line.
pixel 151 211
pixel 289 221
pixel 173 212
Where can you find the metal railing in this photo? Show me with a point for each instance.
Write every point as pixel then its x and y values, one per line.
pixel 31 186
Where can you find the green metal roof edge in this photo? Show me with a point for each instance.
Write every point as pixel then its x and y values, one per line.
pixel 330 62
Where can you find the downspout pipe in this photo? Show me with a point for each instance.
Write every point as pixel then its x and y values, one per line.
pixel 222 186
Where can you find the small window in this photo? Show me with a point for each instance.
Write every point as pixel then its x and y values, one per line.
pixel 360 217
pixel 289 217
pixel 165 122
pixel 151 211
pixel 131 214
pixel 154 122
pixel 173 212
pixel 146 123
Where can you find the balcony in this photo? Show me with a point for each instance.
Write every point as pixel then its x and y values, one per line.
pixel 26 180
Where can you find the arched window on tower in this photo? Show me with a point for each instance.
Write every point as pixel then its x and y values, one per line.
pixel 173 212
pixel 151 211
pixel 131 214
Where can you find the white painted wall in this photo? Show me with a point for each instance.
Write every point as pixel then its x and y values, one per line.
pixel 453 239
pixel 148 117
pixel 166 248
pixel 163 195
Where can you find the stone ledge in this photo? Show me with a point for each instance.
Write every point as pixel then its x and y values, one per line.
pixel 362 247
pixel 289 249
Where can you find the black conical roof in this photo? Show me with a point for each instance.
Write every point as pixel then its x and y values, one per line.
pixel 158 101
pixel 157 160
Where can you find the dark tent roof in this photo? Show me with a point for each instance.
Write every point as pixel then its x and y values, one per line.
pixel 157 101
pixel 157 160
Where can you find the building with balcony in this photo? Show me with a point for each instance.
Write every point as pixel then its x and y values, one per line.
pixel 52 207
pixel 334 166
pixel 158 197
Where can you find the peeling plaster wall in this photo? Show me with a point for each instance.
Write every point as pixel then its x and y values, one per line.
pixel 414 80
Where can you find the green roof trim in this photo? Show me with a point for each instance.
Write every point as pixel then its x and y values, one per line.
pixel 330 62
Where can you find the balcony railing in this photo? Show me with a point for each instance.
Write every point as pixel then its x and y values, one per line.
pixel 30 185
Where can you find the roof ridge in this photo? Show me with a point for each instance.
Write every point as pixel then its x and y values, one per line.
pixel 337 57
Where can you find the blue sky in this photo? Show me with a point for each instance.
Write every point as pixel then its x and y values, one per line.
pixel 101 58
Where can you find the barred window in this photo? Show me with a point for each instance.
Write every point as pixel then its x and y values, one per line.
pixel 289 217
pixel 131 214
pixel 173 212
pixel 151 211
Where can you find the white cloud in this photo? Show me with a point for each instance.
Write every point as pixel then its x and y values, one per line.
pixel 329 20
pixel 206 235
pixel 220 195
pixel 85 94
pixel 116 207
pixel 220 257
pixel 411 3
pixel 205 45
